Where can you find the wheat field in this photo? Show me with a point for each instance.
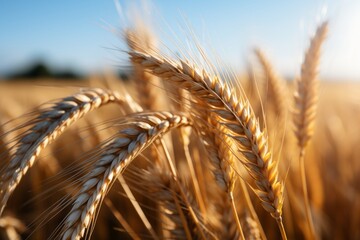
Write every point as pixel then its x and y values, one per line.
pixel 182 151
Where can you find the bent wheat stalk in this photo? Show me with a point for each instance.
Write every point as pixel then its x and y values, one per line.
pixel 237 116
pixel 305 99
pixel 130 142
pixel 47 127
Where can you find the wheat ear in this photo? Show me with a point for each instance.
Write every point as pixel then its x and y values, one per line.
pixel 277 87
pixel 217 145
pixel 237 116
pixel 305 99
pixel 47 127
pixel 145 83
pixel 305 96
pixel 131 141
pixel 140 38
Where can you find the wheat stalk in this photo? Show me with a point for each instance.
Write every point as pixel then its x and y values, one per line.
pixel 305 99
pixel 121 220
pixel 131 141
pixel 46 128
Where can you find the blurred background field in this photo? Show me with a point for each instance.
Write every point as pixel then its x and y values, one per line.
pixel 332 159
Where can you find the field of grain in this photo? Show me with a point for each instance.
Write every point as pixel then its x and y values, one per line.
pixel 181 151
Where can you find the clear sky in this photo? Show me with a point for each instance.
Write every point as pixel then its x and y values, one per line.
pixel 73 33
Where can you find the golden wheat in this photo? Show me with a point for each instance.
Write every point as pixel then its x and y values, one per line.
pixel 193 184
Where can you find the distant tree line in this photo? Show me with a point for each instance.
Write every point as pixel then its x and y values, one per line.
pixel 41 70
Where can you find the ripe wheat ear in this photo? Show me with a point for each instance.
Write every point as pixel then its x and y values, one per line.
pixel 237 116
pixel 47 127
pixel 135 136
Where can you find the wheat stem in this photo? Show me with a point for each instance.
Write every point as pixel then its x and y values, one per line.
pixel 309 218
pixel 281 228
pixel 237 219
pixel 121 220
pixel 251 208
pixel 194 179
pixel 180 211
pixel 137 206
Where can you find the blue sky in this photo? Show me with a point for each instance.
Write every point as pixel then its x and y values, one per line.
pixel 73 33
